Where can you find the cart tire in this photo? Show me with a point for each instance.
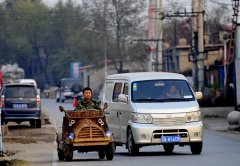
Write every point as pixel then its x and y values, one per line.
pixel 133 149
pixel 168 148
pixel 101 154
pixel 69 154
pixel 110 151
pixel 196 147
pixel 60 155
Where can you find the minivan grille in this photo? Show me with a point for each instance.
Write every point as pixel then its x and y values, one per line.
pixel 169 121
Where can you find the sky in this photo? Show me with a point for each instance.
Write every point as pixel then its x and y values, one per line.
pixel 53 2
pixel 186 3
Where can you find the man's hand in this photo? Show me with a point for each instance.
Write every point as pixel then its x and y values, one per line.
pixel 105 106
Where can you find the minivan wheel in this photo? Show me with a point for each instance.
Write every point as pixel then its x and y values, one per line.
pixel 32 123
pixel 133 149
pixel 196 147
pixel 168 148
pixel 38 123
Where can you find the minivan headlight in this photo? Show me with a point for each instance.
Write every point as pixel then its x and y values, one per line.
pixel 141 118
pixel 193 116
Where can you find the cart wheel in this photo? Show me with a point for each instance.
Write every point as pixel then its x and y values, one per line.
pixel 60 155
pixel 68 154
pixel 101 154
pixel 110 151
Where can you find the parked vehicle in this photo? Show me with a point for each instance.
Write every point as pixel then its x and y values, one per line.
pixel 84 131
pixel 142 112
pixel 20 102
pixel 69 88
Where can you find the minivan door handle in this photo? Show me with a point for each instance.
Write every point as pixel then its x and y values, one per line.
pixel 119 114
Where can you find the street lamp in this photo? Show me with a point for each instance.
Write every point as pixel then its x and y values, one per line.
pixel 225 40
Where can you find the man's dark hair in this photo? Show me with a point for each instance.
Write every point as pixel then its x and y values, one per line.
pixel 86 88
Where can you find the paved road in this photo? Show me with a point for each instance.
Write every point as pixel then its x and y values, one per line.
pixel 219 149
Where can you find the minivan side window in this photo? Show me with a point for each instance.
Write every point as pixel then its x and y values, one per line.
pixel 116 91
pixel 125 89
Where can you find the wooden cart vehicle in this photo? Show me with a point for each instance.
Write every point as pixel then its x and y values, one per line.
pixel 84 131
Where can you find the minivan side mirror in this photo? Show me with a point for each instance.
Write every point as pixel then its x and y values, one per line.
pixel 198 95
pixel 123 98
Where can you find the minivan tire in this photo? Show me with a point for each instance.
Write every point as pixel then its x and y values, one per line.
pixel 32 123
pixel 133 149
pixel 196 147
pixel 38 123
pixel 168 148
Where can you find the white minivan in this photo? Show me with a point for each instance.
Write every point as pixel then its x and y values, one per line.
pixel 153 108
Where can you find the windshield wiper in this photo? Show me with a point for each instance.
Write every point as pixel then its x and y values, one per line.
pixel 163 99
pixel 149 100
pixel 177 99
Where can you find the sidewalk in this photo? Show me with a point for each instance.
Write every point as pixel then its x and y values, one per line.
pixel 215 118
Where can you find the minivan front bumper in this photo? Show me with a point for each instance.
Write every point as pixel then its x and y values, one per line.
pixel 151 134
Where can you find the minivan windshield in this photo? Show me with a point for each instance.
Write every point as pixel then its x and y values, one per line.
pixel 161 91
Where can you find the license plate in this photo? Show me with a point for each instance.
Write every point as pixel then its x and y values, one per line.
pixel 20 106
pixel 173 138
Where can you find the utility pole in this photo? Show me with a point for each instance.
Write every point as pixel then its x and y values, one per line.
pixel 159 33
pixel 194 31
pixel 200 58
pixel 105 38
pixel 152 10
pixel 175 45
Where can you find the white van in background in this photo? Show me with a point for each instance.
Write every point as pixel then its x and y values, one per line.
pixel 153 108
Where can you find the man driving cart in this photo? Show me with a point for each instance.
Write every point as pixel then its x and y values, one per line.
pixel 85 129
pixel 87 102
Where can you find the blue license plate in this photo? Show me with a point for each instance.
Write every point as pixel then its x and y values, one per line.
pixel 20 106
pixel 173 138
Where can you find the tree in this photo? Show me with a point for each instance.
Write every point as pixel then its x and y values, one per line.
pixel 27 24
pixel 118 19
